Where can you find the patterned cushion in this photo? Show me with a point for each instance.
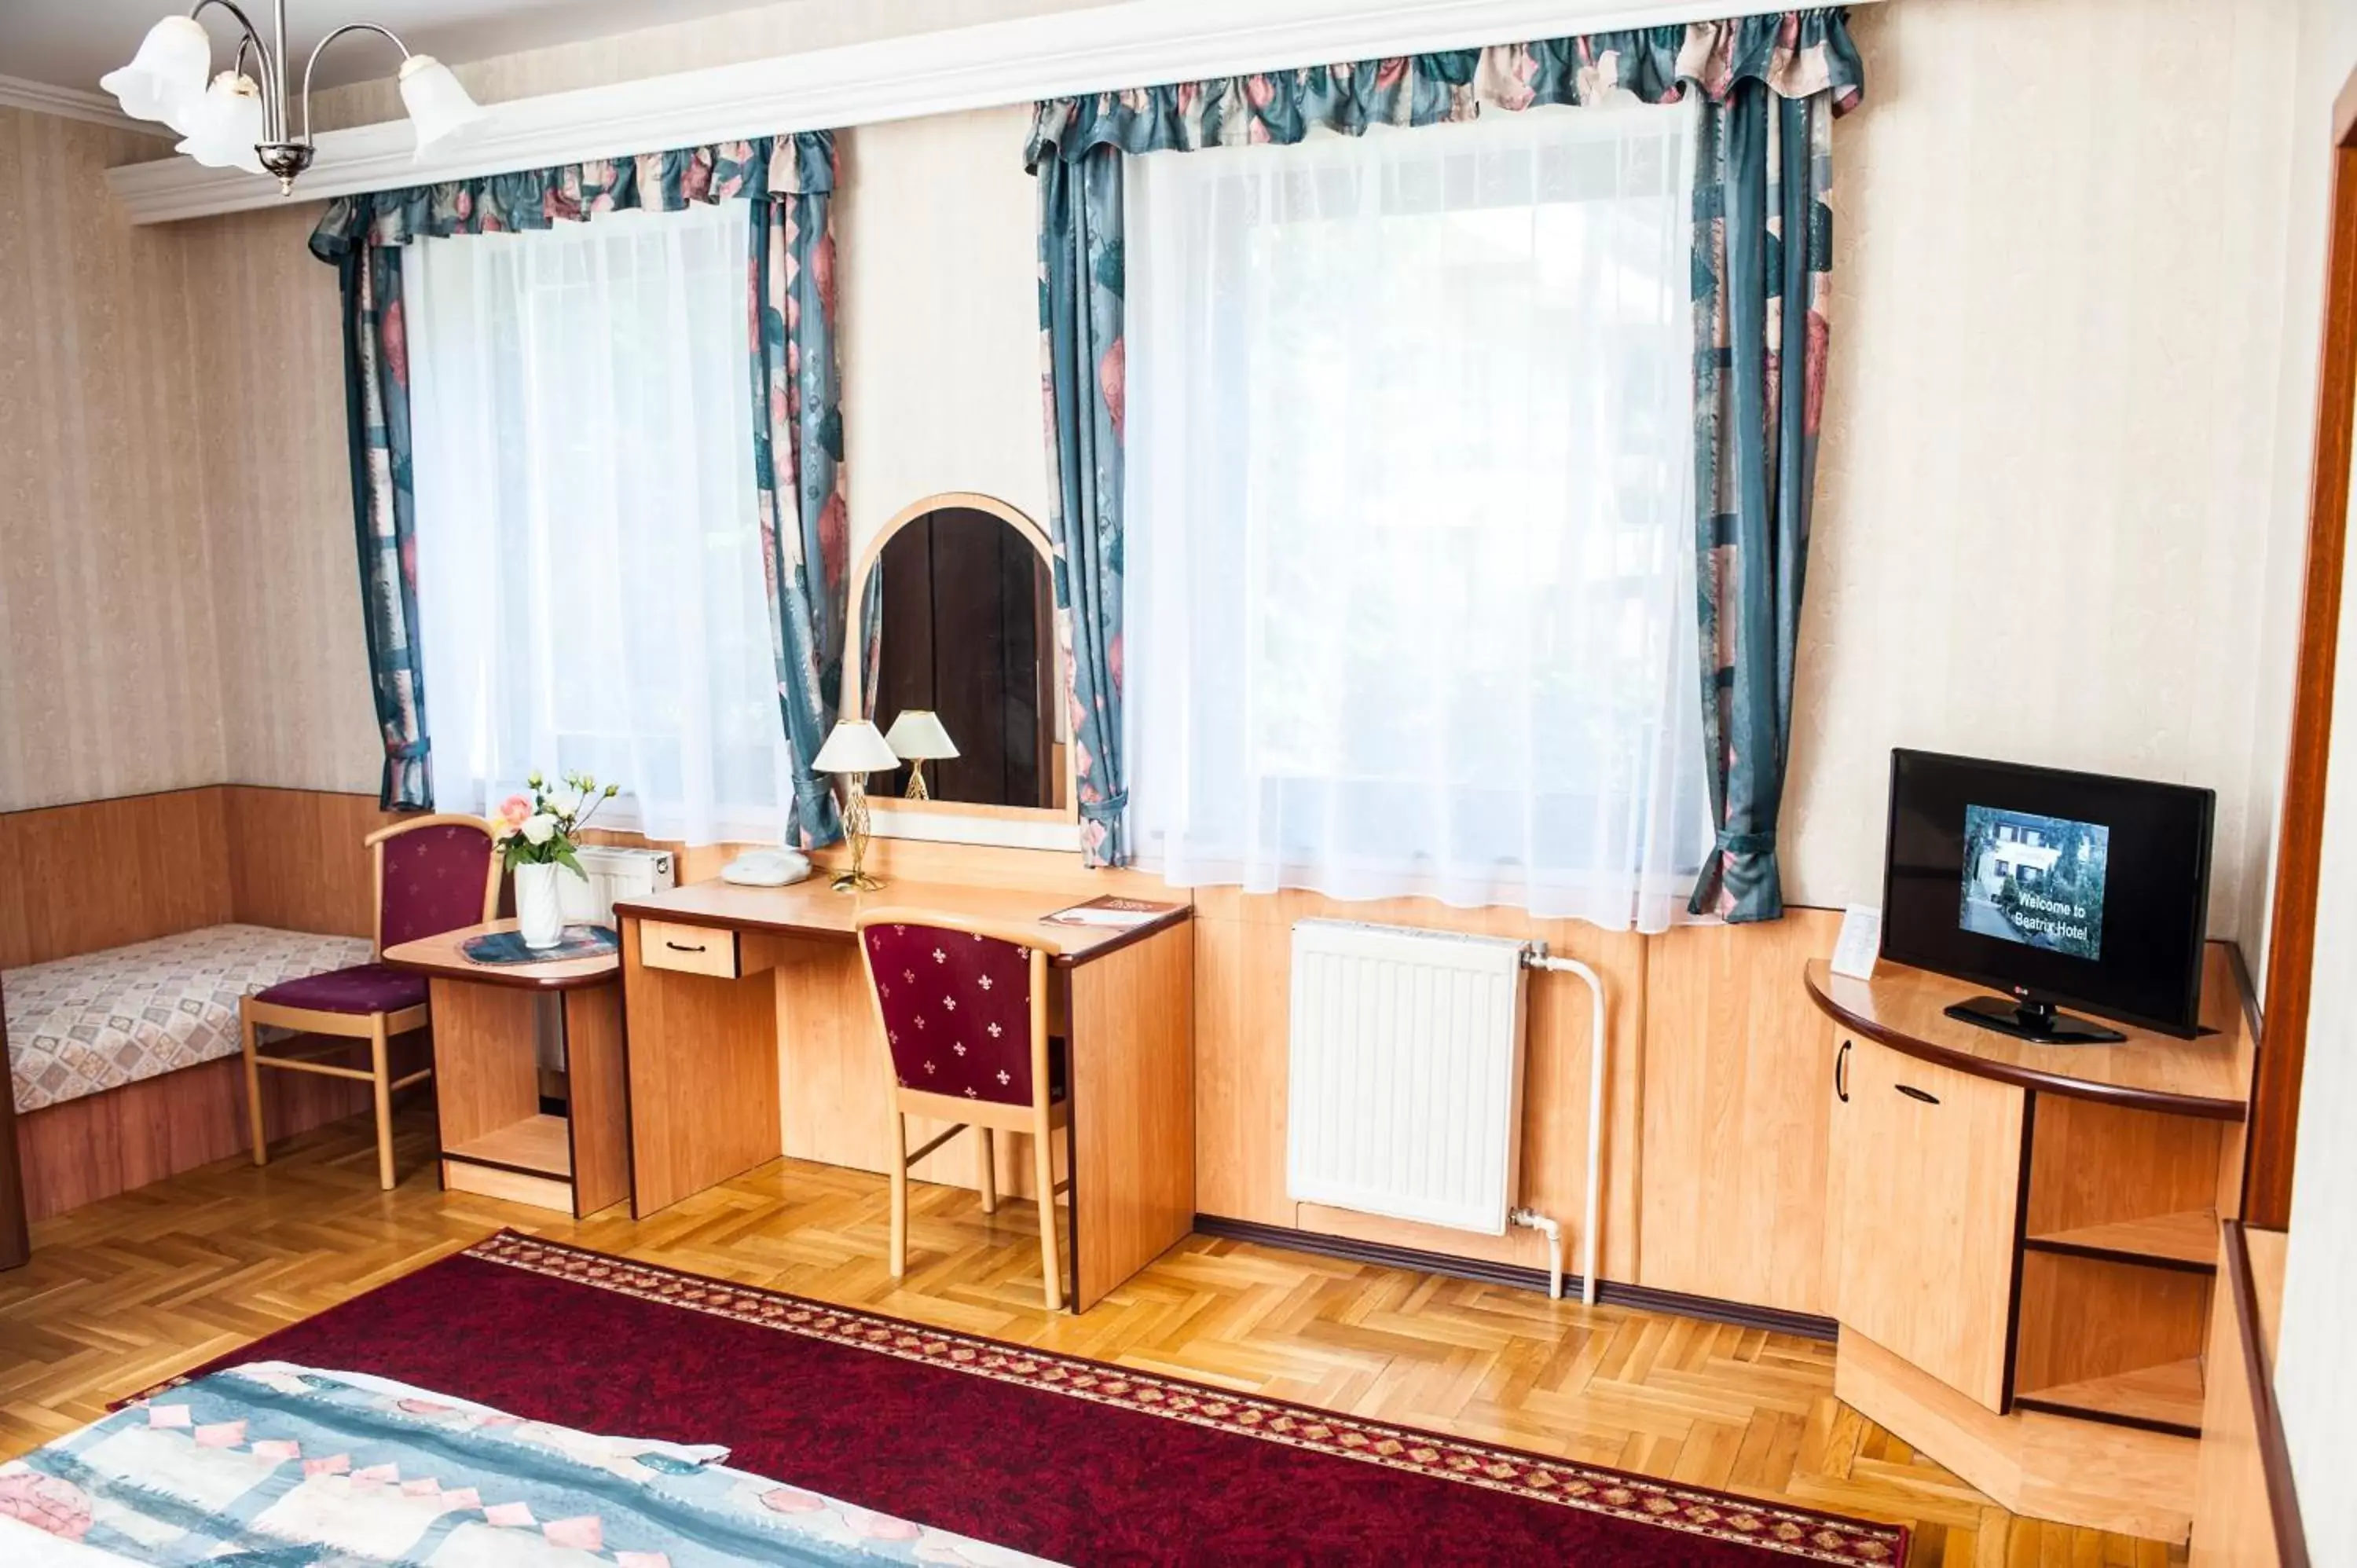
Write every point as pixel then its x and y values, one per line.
pixel 433 880
pixel 97 1021
pixel 957 1011
pixel 362 988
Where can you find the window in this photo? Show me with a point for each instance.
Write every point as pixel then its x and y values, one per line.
pixel 590 557
pixel 1410 588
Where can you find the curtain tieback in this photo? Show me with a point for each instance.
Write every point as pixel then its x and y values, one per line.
pixel 1748 843
pixel 1107 809
pixel 408 750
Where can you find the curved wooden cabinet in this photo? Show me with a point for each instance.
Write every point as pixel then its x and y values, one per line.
pixel 2021 1240
pixel 1926 1170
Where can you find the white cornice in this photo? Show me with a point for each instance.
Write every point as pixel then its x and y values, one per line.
pixel 1137 43
pixel 42 98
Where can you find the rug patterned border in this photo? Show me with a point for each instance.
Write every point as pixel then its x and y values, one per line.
pixel 1823 1537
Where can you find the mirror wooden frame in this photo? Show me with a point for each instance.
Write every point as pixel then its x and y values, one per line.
pixel 961 822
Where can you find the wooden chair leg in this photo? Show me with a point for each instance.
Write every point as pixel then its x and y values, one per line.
pixel 380 1068
pixel 990 1170
pixel 254 1082
pixel 899 1157
pixel 1043 1165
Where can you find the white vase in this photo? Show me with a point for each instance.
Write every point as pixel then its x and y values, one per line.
pixel 540 910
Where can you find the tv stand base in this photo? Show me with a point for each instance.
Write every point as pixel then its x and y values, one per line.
pixel 2034 1021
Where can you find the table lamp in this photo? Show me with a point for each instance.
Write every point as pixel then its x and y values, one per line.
pixel 856 750
pixel 916 737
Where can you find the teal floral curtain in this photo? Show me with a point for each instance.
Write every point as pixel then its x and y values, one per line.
pixel 798 474
pixel 1771 87
pixel 789 183
pixel 1081 285
pixel 376 418
pixel 1763 254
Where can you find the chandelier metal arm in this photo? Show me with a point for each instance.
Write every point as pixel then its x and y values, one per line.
pixel 274 97
pixel 313 62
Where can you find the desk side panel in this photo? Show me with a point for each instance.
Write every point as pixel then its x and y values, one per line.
pixel 703 1078
pixel 598 1105
pixel 1133 1087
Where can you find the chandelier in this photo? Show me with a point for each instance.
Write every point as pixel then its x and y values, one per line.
pixel 242 120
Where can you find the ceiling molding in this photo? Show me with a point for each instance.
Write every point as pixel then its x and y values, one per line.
pixel 1137 43
pixel 73 103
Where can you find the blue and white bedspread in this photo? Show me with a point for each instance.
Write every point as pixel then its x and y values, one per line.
pixel 273 1465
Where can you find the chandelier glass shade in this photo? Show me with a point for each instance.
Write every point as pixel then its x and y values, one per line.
pixel 244 119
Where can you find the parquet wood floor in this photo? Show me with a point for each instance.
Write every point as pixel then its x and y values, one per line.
pixel 125 1293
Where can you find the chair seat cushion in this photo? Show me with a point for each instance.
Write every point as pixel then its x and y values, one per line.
pixel 362 988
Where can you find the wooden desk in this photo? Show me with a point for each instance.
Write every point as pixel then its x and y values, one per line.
pixel 496 1140
pixel 752 1035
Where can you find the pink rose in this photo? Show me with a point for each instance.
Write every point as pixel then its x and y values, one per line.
pixel 514 812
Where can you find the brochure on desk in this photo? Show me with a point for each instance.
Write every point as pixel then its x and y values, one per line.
pixel 1110 913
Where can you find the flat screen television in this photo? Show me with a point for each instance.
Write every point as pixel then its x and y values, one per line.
pixel 2057 888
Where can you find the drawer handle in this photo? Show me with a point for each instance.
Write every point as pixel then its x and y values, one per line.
pixel 1912 1092
pixel 1841 1072
pixel 682 947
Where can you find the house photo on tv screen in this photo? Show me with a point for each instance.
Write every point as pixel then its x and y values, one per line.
pixel 2035 880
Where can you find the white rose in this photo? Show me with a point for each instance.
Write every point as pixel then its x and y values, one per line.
pixel 566 803
pixel 539 829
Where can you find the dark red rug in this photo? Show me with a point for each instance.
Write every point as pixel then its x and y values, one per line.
pixel 1069 1459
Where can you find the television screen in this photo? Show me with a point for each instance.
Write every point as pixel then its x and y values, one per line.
pixel 2072 888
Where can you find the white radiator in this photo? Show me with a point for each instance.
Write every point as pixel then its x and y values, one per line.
pixel 1405 1088
pixel 614 874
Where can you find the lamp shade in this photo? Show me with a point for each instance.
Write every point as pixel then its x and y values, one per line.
pixel 438 106
pixel 917 735
pixel 166 80
pixel 855 746
pixel 226 124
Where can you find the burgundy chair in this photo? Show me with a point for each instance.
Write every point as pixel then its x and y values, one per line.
pixel 964 1008
pixel 434 873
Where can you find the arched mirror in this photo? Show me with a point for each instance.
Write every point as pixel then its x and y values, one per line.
pixel 962 668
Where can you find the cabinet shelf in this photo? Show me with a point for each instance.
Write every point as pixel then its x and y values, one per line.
pixel 2187 1240
pixel 537 1146
pixel 2166 1398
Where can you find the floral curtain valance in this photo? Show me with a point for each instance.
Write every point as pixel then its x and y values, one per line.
pixel 1795 54
pixel 798 165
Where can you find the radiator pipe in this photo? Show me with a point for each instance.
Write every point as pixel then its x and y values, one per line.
pixel 1552 1228
pixel 1538 958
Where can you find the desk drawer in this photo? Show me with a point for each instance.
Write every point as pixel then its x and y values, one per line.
pixel 694 949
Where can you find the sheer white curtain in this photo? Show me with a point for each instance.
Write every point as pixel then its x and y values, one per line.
pixel 1410 591
pixel 589 562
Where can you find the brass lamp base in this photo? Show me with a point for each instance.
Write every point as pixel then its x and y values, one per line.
pixel 854 833
pixel 916 790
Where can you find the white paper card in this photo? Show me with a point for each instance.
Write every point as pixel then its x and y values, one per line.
pixel 1861 941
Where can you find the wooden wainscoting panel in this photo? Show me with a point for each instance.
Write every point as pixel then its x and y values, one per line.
pixel 1738 1063
pixel 298 859
pixel 99 874
pixel 101 1144
pixel 1243 988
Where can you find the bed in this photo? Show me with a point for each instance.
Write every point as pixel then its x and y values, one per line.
pixel 98 1021
pixel 281 1464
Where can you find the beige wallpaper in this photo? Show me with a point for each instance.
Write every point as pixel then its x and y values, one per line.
pixel 294 664
pixel 2064 425
pixel 107 653
pixel 2049 484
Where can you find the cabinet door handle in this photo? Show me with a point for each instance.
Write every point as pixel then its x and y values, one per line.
pixel 1841 1073
pixel 1912 1092
pixel 682 947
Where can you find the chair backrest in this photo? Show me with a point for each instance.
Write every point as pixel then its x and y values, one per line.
pixel 963 1004
pixel 434 873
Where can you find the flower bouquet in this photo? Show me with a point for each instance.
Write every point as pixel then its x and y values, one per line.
pixel 536 836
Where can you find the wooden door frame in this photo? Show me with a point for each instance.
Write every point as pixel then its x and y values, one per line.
pixel 2291 930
